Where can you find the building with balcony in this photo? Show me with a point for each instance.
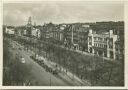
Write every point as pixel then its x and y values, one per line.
pixel 102 44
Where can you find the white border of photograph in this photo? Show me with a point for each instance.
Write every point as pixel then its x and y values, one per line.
pixel 63 87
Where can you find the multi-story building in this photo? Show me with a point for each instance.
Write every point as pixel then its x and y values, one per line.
pixel 47 31
pixel 76 36
pixel 36 32
pixel 58 33
pixel 20 30
pixel 10 30
pixel 52 32
pixel 102 44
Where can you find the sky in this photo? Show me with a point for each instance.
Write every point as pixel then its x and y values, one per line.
pixel 62 12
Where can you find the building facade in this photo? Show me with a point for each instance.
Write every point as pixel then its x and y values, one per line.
pixel 102 44
pixel 36 32
pixel 20 31
pixel 76 36
pixel 47 31
pixel 52 32
pixel 10 30
pixel 58 33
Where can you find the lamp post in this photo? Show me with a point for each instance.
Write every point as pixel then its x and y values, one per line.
pixel 50 80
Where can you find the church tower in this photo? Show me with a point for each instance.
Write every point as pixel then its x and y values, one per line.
pixel 29 21
pixel 29 27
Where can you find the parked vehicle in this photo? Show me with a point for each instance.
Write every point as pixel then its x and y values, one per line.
pixel 19 48
pixel 33 57
pixel 22 60
pixel 55 72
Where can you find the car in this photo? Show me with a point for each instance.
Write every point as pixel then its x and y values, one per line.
pixel 49 69
pixel 44 66
pixel 13 47
pixel 20 48
pixel 55 72
pixel 33 57
pixel 40 62
pixel 22 60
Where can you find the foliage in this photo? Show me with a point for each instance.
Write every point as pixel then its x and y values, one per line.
pixel 98 71
pixel 14 72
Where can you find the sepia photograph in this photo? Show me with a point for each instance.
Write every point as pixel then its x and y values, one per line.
pixel 64 89
pixel 63 43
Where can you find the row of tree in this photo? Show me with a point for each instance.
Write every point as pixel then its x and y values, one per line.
pixel 93 68
pixel 14 72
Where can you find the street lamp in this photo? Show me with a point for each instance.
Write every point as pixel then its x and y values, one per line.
pixel 50 80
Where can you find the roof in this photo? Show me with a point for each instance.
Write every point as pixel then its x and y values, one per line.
pixel 10 27
pixel 101 35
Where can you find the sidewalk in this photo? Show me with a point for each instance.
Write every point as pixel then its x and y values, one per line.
pixel 67 75
pixel 91 54
pixel 63 74
pixel 86 53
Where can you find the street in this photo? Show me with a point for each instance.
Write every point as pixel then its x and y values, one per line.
pixel 37 72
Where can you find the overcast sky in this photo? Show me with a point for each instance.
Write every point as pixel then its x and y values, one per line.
pixel 62 12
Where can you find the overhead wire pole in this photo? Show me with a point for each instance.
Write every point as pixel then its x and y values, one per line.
pixel 47 59
pixel 50 80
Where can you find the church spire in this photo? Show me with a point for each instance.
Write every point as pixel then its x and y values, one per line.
pixel 29 21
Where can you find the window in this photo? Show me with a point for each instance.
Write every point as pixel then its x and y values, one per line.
pixel 111 46
pixel 105 53
pixel 98 38
pixel 111 43
pixel 101 39
pixel 90 38
pixel 105 39
pixel 105 46
pixel 90 43
pixel 94 38
pixel 111 54
pixel 100 45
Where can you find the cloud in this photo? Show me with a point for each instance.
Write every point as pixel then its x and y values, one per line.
pixel 62 12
